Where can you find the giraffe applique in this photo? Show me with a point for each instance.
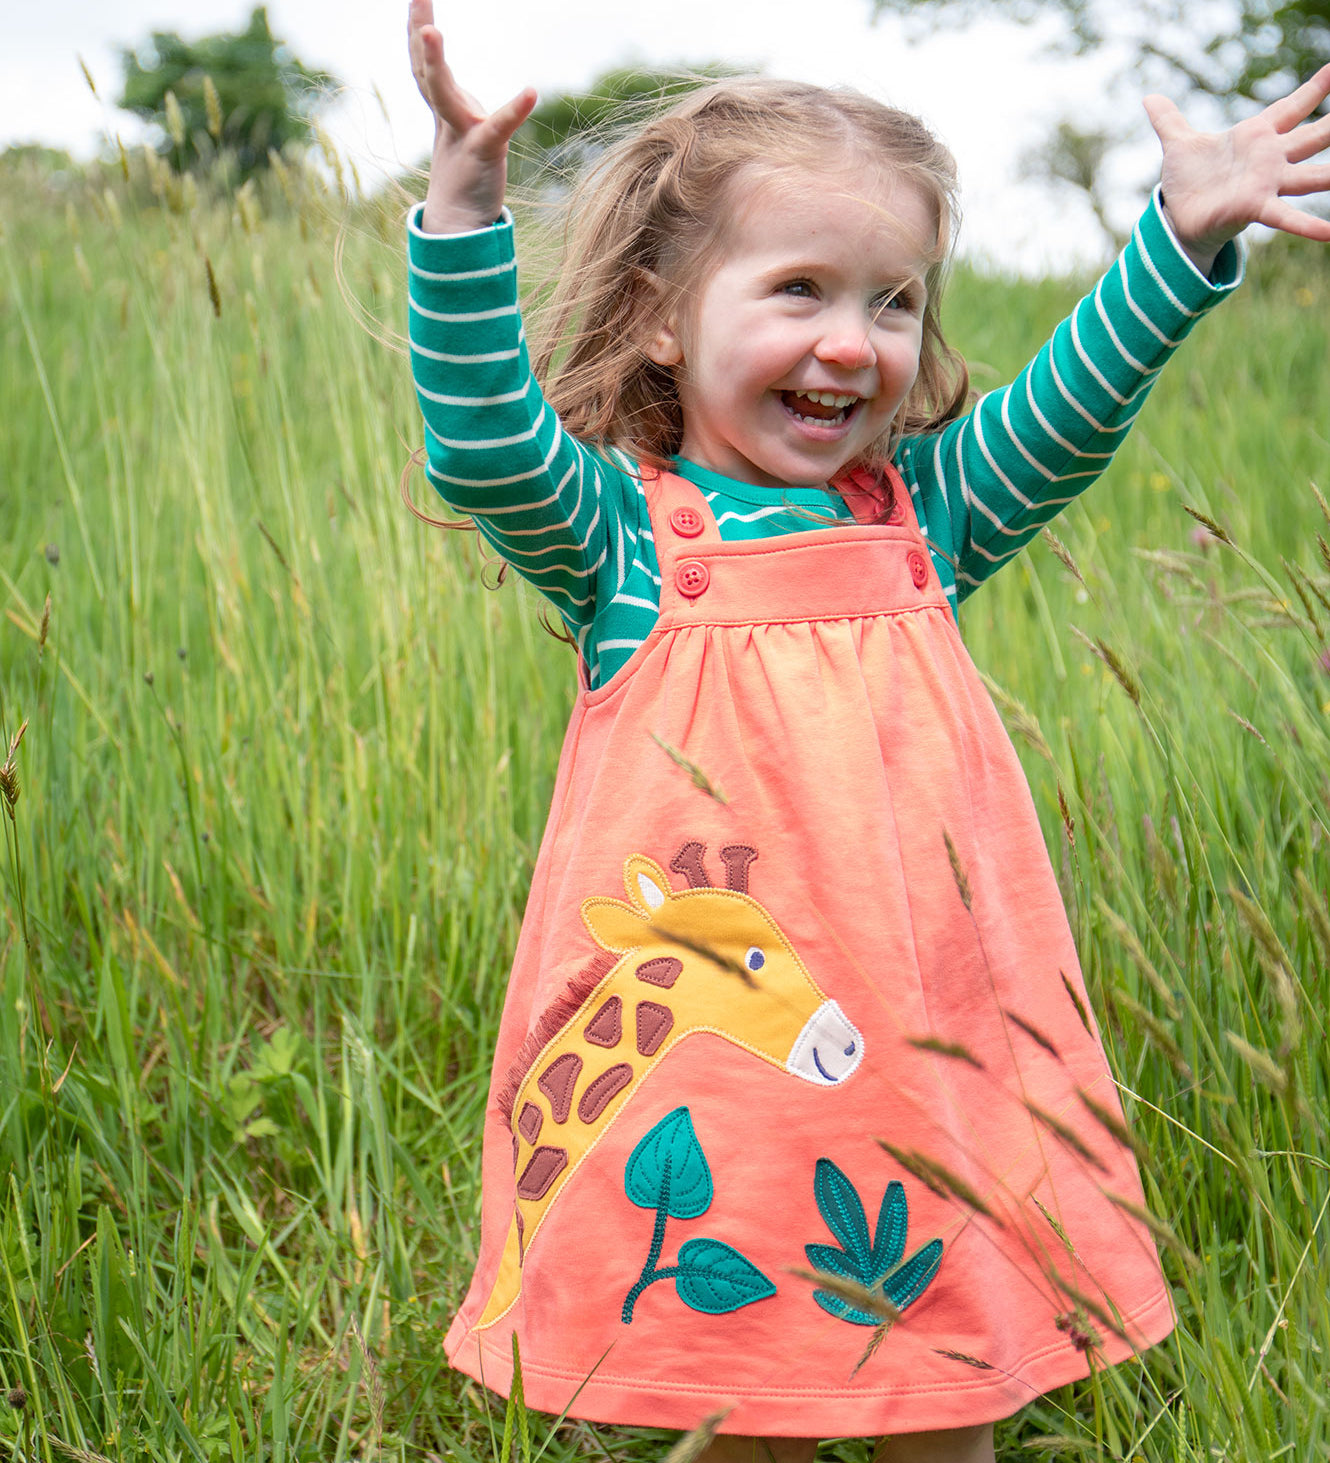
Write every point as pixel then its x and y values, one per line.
pixel 674 962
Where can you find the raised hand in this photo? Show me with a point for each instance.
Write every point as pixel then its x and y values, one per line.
pixel 1216 183
pixel 468 171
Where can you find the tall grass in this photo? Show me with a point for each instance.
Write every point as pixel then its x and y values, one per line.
pixel 283 776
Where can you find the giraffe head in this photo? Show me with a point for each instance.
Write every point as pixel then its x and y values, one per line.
pixel 728 968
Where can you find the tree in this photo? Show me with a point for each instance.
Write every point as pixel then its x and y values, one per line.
pixel 1232 51
pixel 1235 52
pixel 237 93
pixel 568 128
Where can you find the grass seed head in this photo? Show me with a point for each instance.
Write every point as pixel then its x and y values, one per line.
pixel 214 294
pixel 1116 665
pixel 1077 1002
pixel 1020 720
pixel 1063 555
pixel 695 1443
pixel 175 119
pixel 699 778
pixel 1067 1134
pixel 871 1302
pixel 1068 822
pixel 1162 1232
pixel 942 1048
pixel 44 628
pixel 1263 1066
pixel 212 105
pixel 1155 1031
pixel 9 783
pixel 1110 1121
pixel 958 871
pixel 874 1341
pixel 1033 1032
pixel 1274 962
pixel 939 1178
pixel 1216 531
pixel 1314 908
pixel 964 1359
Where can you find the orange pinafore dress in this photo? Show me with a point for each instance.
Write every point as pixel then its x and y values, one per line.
pixel 799 1114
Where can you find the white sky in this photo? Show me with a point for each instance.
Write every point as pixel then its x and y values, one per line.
pixel 990 91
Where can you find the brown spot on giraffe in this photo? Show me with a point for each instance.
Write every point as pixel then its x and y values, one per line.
pixel 654 1022
pixel 529 1121
pixel 542 1168
pixel 606 1026
pixel 663 971
pixel 557 1082
pixel 603 1091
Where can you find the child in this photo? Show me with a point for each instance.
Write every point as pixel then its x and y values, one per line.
pixel 796 1044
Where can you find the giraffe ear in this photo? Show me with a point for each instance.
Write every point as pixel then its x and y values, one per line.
pixel 618 926
pixel 648 885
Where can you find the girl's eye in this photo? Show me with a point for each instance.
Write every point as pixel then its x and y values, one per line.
pixel 901 299
pixel 799 288
pixel 755 959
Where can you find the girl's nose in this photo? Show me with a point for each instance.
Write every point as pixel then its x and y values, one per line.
pixel 847 343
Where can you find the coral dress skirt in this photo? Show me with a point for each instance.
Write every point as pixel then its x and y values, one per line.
pixel 799 1116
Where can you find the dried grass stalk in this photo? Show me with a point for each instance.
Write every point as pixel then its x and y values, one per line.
pixel 939 1179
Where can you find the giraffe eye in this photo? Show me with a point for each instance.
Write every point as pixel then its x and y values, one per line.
pixel 755 959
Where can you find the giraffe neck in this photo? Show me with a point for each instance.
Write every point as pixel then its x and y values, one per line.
pixel 585 1075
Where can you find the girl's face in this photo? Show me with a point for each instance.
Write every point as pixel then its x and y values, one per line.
pixel 803 343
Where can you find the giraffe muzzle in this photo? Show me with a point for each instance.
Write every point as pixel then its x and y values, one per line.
pixel 828 1049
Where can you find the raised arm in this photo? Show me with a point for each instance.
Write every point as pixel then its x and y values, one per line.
pixel 565 517
pixel 986 484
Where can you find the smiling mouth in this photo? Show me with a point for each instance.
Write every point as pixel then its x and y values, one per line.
pixel 820 408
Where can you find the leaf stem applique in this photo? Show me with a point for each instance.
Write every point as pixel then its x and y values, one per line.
pixel 668 1172
pixel 874 1264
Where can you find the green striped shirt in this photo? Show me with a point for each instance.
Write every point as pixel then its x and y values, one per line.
pixel 574 520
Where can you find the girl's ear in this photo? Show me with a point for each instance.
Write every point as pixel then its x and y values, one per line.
pixel 662 343
pixel 664 347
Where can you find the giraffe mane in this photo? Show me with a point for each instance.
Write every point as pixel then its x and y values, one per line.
pixel 551 1021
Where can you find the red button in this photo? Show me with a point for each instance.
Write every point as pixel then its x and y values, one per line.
pixel 686 522
pixel 691 577
pixel 918 568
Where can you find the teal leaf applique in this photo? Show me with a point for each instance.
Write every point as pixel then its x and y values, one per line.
pixel 667 1171
pixel 716 1278
pixel 669 1168
pixel 877 1267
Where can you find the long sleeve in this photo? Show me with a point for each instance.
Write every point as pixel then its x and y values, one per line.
pixel 557 511
pixel 986 484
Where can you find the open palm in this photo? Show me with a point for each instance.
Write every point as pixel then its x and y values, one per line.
pixel 1216 183
pixel 469 167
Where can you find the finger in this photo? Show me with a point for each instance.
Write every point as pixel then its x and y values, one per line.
pixel 1309 139
pixel 1300 104
pixel 458 110
pixel 1168 122
pixel 419 14
pixel 1299 182
pixel 1290 220
pixel 503 122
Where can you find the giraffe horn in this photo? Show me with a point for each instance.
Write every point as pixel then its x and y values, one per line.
pixel 736 857
pixel 689 862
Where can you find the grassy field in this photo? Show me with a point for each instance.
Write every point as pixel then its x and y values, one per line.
pixel 283 769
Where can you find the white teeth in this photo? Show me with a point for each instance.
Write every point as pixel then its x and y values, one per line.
pixel 827 398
